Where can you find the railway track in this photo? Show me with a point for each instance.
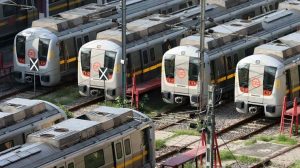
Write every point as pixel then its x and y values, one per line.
pixel 240 130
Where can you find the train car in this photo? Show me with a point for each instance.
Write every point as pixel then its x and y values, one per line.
pixel 225 45
pixel 19 117
pixel 264 78
pixel 56 40
pixel 15 18
pixel 145 52
pixel 104 137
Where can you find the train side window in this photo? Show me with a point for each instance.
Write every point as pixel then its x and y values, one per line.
pixel 276 5
pixel 170 10
pixel 271 7
pixel 212 70
pixel 62 50
pixel 190 3
pixel 95 159
pixel 9 10
pixel 79 43
pixel 127 146
pixel 71 165
pixel 235 59
pixel 249 51
pixel 119 150
pixel 145 57
pixel 152 54
pixel 182 6
pixel 86 39
pixel 6 145
pixel 229 63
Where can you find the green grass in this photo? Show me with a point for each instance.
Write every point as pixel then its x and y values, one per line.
pixel 159 144
pixel 63 96
pixel 186 132
pixel 265 138
pixel 283 139
pixel 296 164
pixel 227 155
pixel 250 142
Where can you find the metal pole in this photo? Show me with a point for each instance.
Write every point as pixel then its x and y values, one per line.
pixel 201 73
pixel 34 83
pixel 47 9
pixel 104 93
pixel 210 127
pixel 123 61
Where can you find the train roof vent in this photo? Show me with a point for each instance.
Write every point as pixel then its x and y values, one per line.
pixel 75 17
pixel 227 3
pixel 222 34
pixel 284 47
pixel 141 28
pixel 290 4
pixel 18 109
pixel 74 130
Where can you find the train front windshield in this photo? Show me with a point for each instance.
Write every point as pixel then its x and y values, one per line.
pixel 243 75
pixel 269 79
pixel 109 62
pixel 20 48
pixel 170 67
pixel 85 57
pixel 43 50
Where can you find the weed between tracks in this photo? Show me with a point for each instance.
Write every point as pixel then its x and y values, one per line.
pixel 227 155
pixel 279 139
pixel 296 164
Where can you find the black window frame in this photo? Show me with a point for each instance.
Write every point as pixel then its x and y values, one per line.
pixel 152 54
pixel 119 150
pixel 269 79
pixel 42 51
pixel 243 75
pixel 127 149
pixel 145 57
pixel 97 162
pixel 84 66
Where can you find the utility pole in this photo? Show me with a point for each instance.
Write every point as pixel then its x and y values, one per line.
pixel 210 127
pixel 123 60
pixel 201 72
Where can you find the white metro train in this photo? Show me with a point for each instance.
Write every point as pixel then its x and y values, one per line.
pixel 225 45
pixel 20 117
pixel 105 137
pixel 56 40
pixel 147 40
pixel 264 78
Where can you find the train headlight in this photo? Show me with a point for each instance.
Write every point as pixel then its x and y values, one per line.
pixel 270 108
pixel 45 78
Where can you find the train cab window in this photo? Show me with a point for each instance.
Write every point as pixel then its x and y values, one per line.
pixel 6 145
pixel 145 57
pixel 85 57
pixel 20 48
pixel 269 78
pixel 152 54
pixel 71 165
pixel 9 10
pixel 109 61
pixel 193 69
pixel 119 150
pixel 43 49
pixel 86 39
pixel 243 75
pixel 95 159
pixel 127 147
pixel 169 66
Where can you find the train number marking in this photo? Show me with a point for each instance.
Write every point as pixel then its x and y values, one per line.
pixel 96 66
pixel 255 82
pixel 181 73
pixel 31 53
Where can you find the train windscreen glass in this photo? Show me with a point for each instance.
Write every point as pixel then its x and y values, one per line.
pixel 269 78
pixel 170 68
pixel 243 75
pixel 109 62
pixel 85 57
pixel 193 71
pixel 20 49
pixel 43 51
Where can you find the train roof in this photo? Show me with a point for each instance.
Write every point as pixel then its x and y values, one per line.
pixel 78 16
pixel 289 4
pixel 283 47
pixel 72 135
pixel 18 112
pixel 270 22
pixel 227 3
pixel 140 28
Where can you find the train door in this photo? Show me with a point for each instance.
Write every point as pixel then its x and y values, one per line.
pixel 119 160
pixel 63 58
pixel 96 61
pixel 181 74
pixel 127 152
pixel 146 63
pixel 256 72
